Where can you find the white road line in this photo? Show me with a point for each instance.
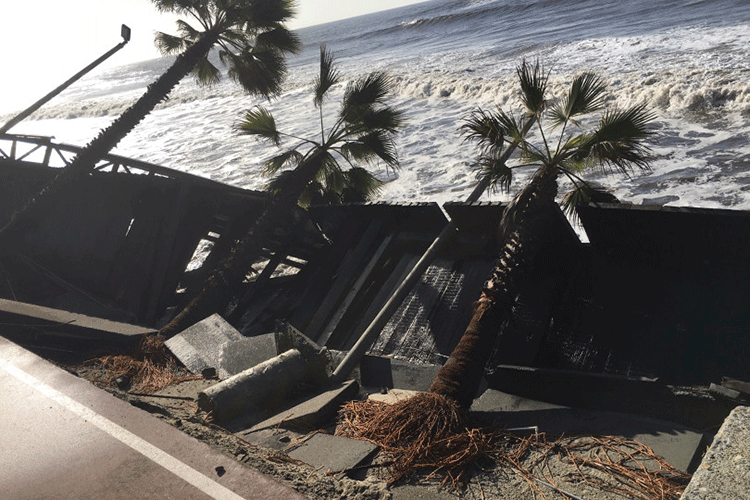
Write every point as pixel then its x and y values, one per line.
pixel 173 465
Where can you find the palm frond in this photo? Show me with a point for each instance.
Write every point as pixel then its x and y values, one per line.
pixel 619 143
pixel 533 82
pixel 264 14
pixel 327 78
pixel 169 44
pixel 280 39
pixel 234 40
pixel 583 194
pixel 289 158
pixel 332 176
pixel 385 119
pixel 206 73
pixel 585 95
pixel 364 94
pixel 260 122
pixel 361 185
pixel 491 130
pixel 276 184
pixel 187 31
pixel 259 71
pixel 177 6
pixel 500 175
pixel 382 146
pixel 357 152
pixel 483 126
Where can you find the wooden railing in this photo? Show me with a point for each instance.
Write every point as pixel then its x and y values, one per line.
pixel 41 150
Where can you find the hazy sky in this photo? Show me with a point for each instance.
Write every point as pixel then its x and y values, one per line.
pixel 47 41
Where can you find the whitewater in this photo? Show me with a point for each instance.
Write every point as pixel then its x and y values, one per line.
pixel 687 60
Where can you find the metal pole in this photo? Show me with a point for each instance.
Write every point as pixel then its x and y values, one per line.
pixel 124 32
pixel 369 336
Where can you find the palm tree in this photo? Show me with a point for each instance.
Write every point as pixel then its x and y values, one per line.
pixel 252 40
pixel 361 133
pixel 354 185
pixel 617 144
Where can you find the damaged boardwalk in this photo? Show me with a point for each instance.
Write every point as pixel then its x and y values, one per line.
pixel 578 354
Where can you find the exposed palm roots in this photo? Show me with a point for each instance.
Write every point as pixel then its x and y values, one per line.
pixel 428 434
pixel 152 368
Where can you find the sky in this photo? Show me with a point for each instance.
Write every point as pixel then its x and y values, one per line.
pixel 47 41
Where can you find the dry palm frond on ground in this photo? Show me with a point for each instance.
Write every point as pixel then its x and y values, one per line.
pixel 429 433
pixel 152 368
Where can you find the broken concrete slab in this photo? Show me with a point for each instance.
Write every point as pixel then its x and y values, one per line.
pixel 200 346
pixel 724 471
pixel 691 407
pixel 313 412
pixel 385 372
pixel 215 343
pixel 727 393
pixel 681 447
pixel 238 355
pixel 328 453
pixel 737 385
pixel 22 320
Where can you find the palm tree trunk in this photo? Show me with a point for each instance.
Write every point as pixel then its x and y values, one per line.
pixel 226 280
pixel 108 138
pixel 525 223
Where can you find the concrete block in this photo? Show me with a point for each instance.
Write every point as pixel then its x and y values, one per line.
pixel 200 346
pixel 238 355
pixel 678 445
pixel 288 337
pixel 726 392
pixel 384 372
pixel 312 413
pixel 327 453
pixel 724 471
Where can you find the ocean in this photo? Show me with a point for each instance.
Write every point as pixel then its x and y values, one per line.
pixel 688 60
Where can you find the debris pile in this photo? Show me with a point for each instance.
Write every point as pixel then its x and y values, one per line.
pixel 152 369
pixel 429 433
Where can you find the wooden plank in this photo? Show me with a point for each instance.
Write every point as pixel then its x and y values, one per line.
pixel 256 285
pixel 320 272
pixel 353 291
pixel 165 256
pixel 402 269
pixel 345 275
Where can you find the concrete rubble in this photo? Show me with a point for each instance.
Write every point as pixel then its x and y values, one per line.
pixel 725 469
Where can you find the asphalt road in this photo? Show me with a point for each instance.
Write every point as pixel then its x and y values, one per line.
pixel 63 438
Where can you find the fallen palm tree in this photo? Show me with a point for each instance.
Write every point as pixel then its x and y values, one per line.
pixel 425 432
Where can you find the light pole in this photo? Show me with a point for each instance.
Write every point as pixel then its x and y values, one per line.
pixel 124 32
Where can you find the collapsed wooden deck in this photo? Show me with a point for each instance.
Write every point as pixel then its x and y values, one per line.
pixel 657 292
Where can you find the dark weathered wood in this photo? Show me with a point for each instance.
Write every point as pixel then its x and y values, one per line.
pixel 166 254
pixel 346 274
pixel 320 272
pixel 353 291
pixel 405 264
pixel 256 286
